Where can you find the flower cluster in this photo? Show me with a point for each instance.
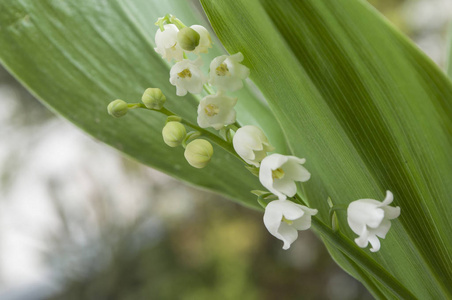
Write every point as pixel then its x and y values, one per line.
pixel 278 174
pixel 226 71
pixel 285 211
pixel 175 42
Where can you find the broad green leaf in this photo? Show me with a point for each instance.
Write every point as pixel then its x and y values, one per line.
pixel 449 53
pixel 78 56
pixel 368 111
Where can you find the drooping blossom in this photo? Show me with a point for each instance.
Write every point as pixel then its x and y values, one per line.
pixel 187 76
pixel 226 72
pixel 166 43
pixel 205 42
pixel 283 219
pixel 251 144
pixel 278 173
pixel 216 111
pixel 370 219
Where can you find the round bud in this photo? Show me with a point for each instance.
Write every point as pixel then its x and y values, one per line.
pixel 174 133
pixel 198 153
pixel 188 38
pixel 117 108
pixel 153 98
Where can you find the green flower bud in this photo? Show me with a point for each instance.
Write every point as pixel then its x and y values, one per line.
pixel 117 108
pixel 198 153
pixel 153 98
pixel 188 38
pixel 173 134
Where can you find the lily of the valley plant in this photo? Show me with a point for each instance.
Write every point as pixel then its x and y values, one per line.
pixel 278 173
pixel 319 108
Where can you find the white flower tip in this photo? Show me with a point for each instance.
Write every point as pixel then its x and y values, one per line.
pixel 238 57
pixel 389 198
pixel 181 92
pixel 306 176
pixel 362 243
pixel 281 196
pixel 313 211
pixel 375 242
pixel 392 212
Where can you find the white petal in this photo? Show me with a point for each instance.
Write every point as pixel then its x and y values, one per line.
pixel 238 57
pixel 180 91
pixel 382 230
pixel 388 200
pixel 205 41
pixel 265 174
pixel 375 242
pixel 166 43
pixel 355 226
pixel 193 83
pixel 285 186
pixel 231 80
pixel 272 218
pixel 243 150
pixel 304 222
pixel 268 164
pixel 287 234
pixel 290 210
pixel 363 239
pixel 310 211
pixel 224 115
pixel 371 219
pixel 366 212
pixel 295 171
pixel 391 212
pixel 249 142
pixel 275 161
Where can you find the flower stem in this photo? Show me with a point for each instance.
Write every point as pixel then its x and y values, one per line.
pixel 351 251
pixel 208 89
pixel 214 138
pixel 347 247
pixel 172 19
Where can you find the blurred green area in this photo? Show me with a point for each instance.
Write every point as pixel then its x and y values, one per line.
pixel 392 10
pixel 221 251
pixel 214 249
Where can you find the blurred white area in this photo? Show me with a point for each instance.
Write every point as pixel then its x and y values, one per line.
pixel 56 179
pixel 428 21
pixel 54 172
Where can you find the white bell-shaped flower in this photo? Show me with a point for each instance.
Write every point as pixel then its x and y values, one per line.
pixel 278 173
pixel 216 111
pixel 166 43
pixel 187 76
pixel 283 219
pixel 205 42
pixel 251 144
pixel 369 219
pixel 226 72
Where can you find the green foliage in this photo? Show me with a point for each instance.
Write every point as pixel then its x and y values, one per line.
pixel 449 57
pixel 353 96
pixel 372 113
pixel 77 57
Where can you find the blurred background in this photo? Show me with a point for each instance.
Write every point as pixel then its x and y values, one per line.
pixel 80 221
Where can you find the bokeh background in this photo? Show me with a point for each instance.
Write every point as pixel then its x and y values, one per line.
pixel 80 221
